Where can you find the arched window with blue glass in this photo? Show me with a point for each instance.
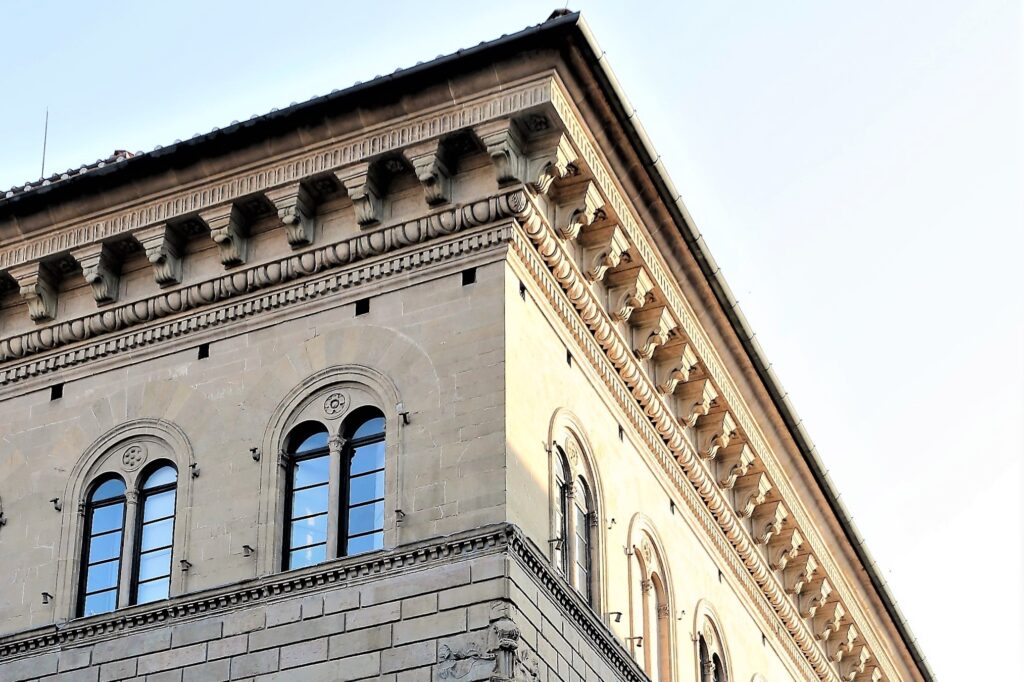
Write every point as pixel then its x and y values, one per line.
pixel 155 535
pixel 102 548
pixel 334 497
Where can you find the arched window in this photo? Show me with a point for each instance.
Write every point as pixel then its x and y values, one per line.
pixel 101 553
pixel 573 519
pixel 152 572
pixel 561 524
pixel 308 506
pixel 335 489
pixel 582 549
pixel 711 652
pixel 364 508
pixel 650 603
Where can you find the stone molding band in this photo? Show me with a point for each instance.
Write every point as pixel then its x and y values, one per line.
pixel 256 278
pixel 346 571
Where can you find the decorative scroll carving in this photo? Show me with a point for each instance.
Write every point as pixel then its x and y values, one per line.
pixel 814 597
pixel 296 210
pixel 163 250
pixel 504 145
pixel 800 571
pixel 767 520
pixel 675 368
pixel 694 400
pixel 556 161
pixel 653 327
pixel 854 664
pixel 431 170
pixel 362 189
pixel 501 659
pixel 715 431
pixel 827 621
pixel 846 634
pixel 227 229
pixel 578 205
pixel 870 674
pixel 733 462
pixel 603 249
pixel 37 284
pixel 751 491
pixel 783 547
pixel 100 269
pixel 628 290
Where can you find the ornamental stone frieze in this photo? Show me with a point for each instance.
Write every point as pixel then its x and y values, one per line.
pixel 431 170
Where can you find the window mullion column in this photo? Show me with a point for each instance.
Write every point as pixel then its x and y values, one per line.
pixel 128 558
pixel 339 471
pixel 569 541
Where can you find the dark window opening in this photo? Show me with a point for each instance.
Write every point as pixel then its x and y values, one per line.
pixel 469 276
pixel 522 290
pixel 362 306
pixel 568 358
pixel 56 391
pixel 204 351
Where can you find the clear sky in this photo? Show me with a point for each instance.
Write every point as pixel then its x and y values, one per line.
pixel 855 167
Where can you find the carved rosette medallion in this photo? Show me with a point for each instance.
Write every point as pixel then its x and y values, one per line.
pixel 134 456
pixel 335 405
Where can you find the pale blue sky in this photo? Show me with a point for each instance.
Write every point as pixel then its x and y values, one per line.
pixel 855 167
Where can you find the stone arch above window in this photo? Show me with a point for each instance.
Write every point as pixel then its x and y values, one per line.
pixel 651 601
pixel 712 654
pixel 338 403
pixel 576 547
pixel 129 452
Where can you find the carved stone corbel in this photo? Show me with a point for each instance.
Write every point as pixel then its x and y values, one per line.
pixel 827 622
pixel 871 673
pixel 800 571
pixel 629 290
pixel 578 205
pixel 37 284
pixel 502 658
pixel 101 270
pixel 675 368
pixel 733 462
pixel 163 249
pixel 603 249
pixel 767 521
pixel 814 596
pixel 431 170
pixel 296 209
pixel 715 431
pixel 362 189
pixel 694 400
pixel 503 142
pixel 846 639
pixel 227 229
pixel 783 547
pixel 556 160
pixel 652 328
pixel 751 491
pixel 854 663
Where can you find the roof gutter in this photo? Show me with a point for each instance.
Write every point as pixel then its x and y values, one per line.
pixel 711 270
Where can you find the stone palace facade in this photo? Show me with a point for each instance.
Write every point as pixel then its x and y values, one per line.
pixel 427 379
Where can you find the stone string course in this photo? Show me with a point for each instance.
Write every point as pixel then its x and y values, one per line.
pixel 404 616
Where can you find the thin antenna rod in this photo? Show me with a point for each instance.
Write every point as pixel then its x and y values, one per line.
pixel 46 130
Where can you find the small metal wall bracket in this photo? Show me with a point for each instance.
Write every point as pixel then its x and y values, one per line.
pixel 247 550
pixel 185 564
pixel 255 454
pixel 47 597
pixel 195 469
pixel 56 503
